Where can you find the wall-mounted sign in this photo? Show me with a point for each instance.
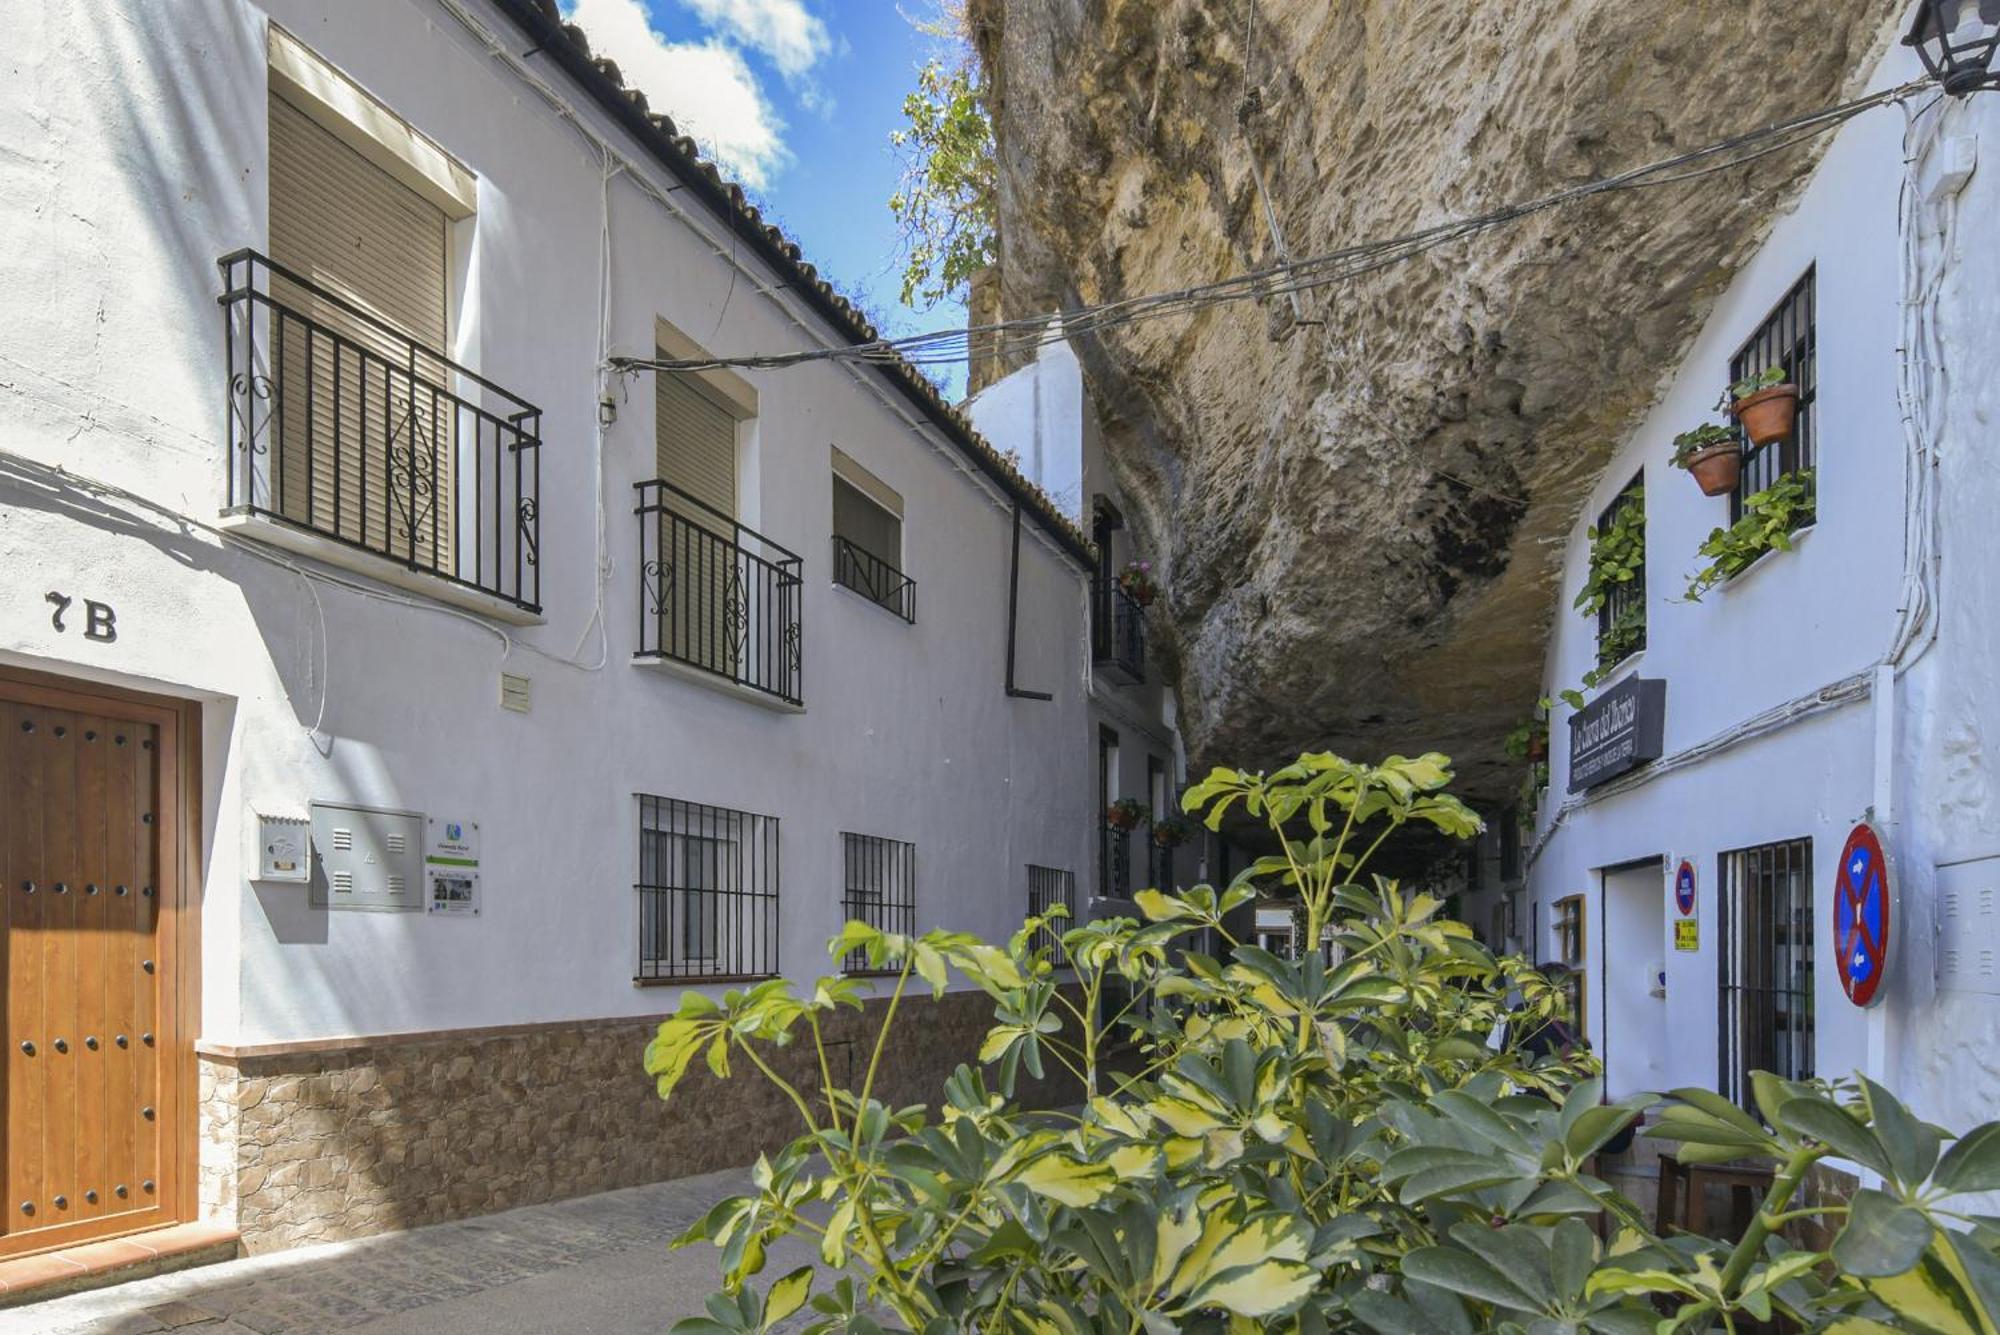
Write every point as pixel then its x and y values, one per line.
pixel 1617 732
pixel 1861 913
pixel 451 868
pixel 1684 888
pixel 1687 934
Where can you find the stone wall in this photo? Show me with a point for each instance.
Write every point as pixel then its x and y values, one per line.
pixel 313 1146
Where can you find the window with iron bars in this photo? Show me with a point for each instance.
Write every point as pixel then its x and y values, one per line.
pixel 1767 965
pixel 1787 338
pixel 1048 887
pixel 707 892
pixel 879 887
pixel 1621 620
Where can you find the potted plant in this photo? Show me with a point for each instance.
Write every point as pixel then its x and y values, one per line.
pixel 1765 403
pixel 1713 454
pixel 1126 814
pixel 1136 581
pixel 1172 831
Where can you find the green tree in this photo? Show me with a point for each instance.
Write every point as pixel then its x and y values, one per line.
pixel 946 204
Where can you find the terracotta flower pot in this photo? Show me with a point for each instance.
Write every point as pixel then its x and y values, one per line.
pixel 1716 468
pixel 1768 414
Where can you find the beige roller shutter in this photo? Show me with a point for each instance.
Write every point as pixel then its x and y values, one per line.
pixel 696 443
pixel 379 471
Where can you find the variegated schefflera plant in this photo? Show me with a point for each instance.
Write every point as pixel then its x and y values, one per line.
pixel 1262 1144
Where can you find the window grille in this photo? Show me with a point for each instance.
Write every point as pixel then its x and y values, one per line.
pixel 879 880
pixel 1767 965
pixel 1621 621
pixel 1047 887
pixel 1570 955
pixel 708 892
pixel 1788 338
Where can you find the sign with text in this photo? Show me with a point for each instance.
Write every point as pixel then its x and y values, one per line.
pixel 1687 934
pixel 1684 888
pixel 1617 732
pixel 451 867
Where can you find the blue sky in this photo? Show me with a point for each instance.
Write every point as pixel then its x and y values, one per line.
pixel 796 99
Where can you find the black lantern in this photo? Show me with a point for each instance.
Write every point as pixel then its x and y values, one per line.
pixel 1956 39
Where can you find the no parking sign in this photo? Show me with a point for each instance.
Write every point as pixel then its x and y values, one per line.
pixel 1687 928
pixel 1861 915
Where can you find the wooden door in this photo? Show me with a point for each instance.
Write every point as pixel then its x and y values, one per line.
pixel 91 842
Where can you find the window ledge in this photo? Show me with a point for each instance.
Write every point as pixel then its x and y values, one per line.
pixel 1605 676
pixel 687 672
pixel 703 979
pixel 859 596
pixel 272 532
pixel 1764 558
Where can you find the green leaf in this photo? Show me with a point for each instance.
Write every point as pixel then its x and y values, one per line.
pixel 1973 1161
pixel 1069 1181
pixel 1451 1269
pixel 788 1294
pixel 1824 1120
pixel 1912 1145
pixel 1882 1237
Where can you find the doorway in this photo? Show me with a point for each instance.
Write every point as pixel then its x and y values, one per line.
pixel 1633 959
pixel 96 823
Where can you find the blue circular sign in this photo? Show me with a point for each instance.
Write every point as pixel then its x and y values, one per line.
pixel 1684 888
pixel 1861 916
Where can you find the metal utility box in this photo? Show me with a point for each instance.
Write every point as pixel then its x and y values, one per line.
pixel 1968 926
pixel 367 858
pixel 284 849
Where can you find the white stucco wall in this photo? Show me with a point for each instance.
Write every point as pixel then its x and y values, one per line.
pixel 1042 412
pixel 137 157
pixel 1800 620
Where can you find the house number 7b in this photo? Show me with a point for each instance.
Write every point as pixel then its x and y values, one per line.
pixel 100 621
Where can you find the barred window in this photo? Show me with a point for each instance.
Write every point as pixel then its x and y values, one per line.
pixel 879 880
pixel 707 891
pixel 1571 953
pixel 1788 338
pixel 1621 621
pixel 1767 965
pixel 1047 887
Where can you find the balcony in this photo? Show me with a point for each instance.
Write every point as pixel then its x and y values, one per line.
pixel 874 579
pixel 352 442
pixel 716 598
pixel 1118 633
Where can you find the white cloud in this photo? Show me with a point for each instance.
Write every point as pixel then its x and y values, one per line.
pixel 784 30
pixel 707 87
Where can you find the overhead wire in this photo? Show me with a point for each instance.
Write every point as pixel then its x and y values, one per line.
pixel 949 346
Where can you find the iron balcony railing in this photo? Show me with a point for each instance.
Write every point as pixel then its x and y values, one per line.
pixel 874 579
pixel 342 425
pixel 716 596
pixel 1114 862
pixel 1118 632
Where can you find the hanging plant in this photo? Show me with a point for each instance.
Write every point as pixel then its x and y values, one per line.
pixel 1127 814
pixel 1617 553
pixel 1713 454
pixel 1172 831
pixel 1770 518
pixel 1136 581
pixel 1765 403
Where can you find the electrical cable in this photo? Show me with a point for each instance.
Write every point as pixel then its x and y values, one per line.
pixel 945 346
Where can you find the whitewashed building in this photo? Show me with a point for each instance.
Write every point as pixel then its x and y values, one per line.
pixel 392 697
pixel 1691 882
pixel 1042 413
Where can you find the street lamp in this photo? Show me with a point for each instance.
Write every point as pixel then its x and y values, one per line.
pixel 1956 40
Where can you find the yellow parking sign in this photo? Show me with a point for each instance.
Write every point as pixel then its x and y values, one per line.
pixel 1687 934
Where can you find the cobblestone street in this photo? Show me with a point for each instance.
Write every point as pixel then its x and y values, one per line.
pixel 593 1264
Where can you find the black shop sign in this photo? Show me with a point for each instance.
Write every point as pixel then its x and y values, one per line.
pixel 1617 732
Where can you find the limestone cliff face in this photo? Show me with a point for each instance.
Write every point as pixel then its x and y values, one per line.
pixel 1355 513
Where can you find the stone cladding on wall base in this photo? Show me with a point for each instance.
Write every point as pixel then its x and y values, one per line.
pixel 321 1142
